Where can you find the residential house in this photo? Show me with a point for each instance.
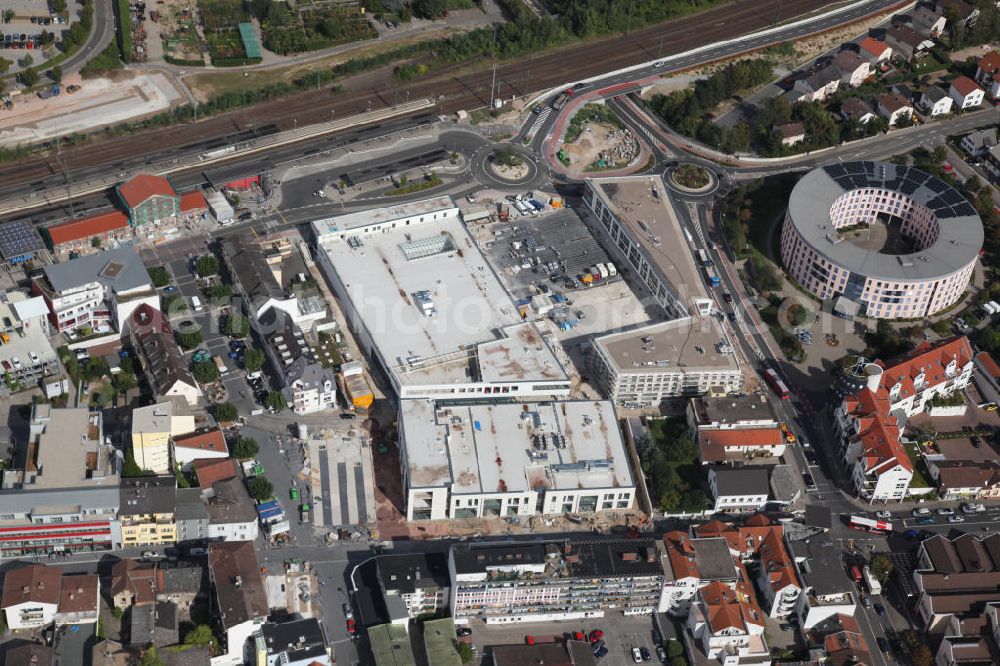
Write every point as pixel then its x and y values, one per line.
pixel 874 51
pixel 390 646
pixel 966 479
pixel 88 234
pixel 153 427
pixel 743 539
pixel 820 84
pixel 966 93
pixel 978 143
pixel 987 377
pixel 955 579
pixel 777 578
pixel 894 108
pixel 209 471
pixel 909 43
pixel 26 355
pixel 309 386
pixel 936 101
pixel 80 519
pixel 99 290
pixel 928 21
pixel 791 133
pixel 272 274
pixel 971 641
pixel 161 358
pixel 240 603
pixel 417 583
pixel 929 371
pixel 79 599
pixel 67 449
pixel 132 583
pixel 854 68
pixel 693 563
pixel 206 443
pixel 721 446
pixel 728 626
pixel 293 643
pixel 826 589
pixel 31 596
pixel 149 200
pixel 231 514
pixel 739 488
pixel 730 413
pixel 181 585
pixel 988 73
pixel 498 583
pixel 192 515
pixel 841 640
pixel 286 341
pixel 148 511
pixel 963 11
pixel 991 162
pixel 153 624
pixel 855 108
pixel 28 654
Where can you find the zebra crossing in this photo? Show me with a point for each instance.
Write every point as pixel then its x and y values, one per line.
pixel 537 125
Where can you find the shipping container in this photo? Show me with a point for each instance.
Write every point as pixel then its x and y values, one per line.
pixel 612 271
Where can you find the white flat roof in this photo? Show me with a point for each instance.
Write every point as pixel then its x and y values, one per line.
pixel 686 344
pixel 487 449
pixel 432 305
pixel 367 218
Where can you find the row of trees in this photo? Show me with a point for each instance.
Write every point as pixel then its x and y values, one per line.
pixel 669 458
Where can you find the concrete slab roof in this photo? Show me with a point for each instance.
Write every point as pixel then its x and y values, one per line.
pixel 510 448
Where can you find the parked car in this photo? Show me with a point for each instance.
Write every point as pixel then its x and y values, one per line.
pixel 925 520
pixel 957 518
pixel 880 609
pixel 636 655
pixel 883 645
pixel 644 651
pixel 463 631
pixel 945 511
pixel 602 653
pixel 661 654
pixel 921 511
pixel 883 515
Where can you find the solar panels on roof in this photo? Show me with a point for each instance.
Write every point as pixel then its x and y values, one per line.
pixel 936 185
pixel 18 239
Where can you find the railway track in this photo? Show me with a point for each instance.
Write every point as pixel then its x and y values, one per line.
pixel 456 88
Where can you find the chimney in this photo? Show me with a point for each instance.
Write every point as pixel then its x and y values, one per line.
pixel 238 581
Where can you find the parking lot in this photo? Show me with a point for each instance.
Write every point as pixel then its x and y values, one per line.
pixel 549 250
pixel 621 634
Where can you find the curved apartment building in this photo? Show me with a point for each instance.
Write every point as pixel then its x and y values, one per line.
pixel 897 241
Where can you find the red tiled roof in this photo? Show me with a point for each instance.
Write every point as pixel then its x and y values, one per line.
pixel 723 607
pixel 989 365
pixel 873 46
pixel 929 360
pixel 681 554
pixel 87 227
pixel 965 86
pixel 776 561
pixel 142 187
pixel 749 437
pixel 990 63
pixel 743 539
pixel 193 201
pixel 210 471
pixel 146 319
pixel 893 102
pixel 210 439
pixel 35 583
pixel 79 593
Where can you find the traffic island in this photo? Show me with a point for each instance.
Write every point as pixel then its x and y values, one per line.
pixel 692 178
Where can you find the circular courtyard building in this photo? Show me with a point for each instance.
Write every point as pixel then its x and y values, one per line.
pixel 899 242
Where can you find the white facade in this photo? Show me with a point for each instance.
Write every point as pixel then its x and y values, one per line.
pixel 81 306
pixel 30 615
pixel 812 608
pixel 967 99
pixel 894 115
pixel 936 107
pixel 243 531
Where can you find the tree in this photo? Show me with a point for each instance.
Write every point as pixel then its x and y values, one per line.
pixel 245 448
pixel 27 60
pixel 464 651
pixel 124 382
pixel 189 339
pixel 8 15
pixel 5 65
pixel 921 656
pixel 207 265
pixel 205 372
pixel 95 242
pixel 201 636
pixel 881 567
pixel 131 468
pixel 674 648
pixel 429 9
pixel 237 326
pixel 226 412
pixel 96 368
pixel 59 6
pixel 56 75
pixel 182 481
pixel 149 658
pixel 29 77
pixel 159 276
pixel 253 361
pixel 276 401
pixel 260 488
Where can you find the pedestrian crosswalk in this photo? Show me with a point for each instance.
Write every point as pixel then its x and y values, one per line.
pixel 537 125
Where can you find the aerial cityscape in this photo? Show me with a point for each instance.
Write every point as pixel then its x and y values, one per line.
pixel 499 332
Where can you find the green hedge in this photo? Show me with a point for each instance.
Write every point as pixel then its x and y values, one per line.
pixel 124 30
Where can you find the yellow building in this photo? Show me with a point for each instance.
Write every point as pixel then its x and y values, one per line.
pixel 148 511
pixel 152 428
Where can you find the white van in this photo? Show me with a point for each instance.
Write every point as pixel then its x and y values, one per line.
pixel 196 304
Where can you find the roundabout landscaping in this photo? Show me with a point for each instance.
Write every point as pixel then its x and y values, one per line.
pixel 505 165
pixel 692 178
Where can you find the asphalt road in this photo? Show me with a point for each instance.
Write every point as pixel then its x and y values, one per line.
pixel 101 34
pixel 456 90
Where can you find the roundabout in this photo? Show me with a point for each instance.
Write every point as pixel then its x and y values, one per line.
pixel 691 179
pixel 507 166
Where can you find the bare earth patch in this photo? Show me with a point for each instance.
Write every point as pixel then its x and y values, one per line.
pixel 516 172
pixel 599 142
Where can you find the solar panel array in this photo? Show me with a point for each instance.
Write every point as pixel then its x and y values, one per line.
pixel 940 197
pixel 18 239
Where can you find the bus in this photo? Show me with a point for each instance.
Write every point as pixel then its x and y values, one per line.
pixel 779 387
pixel 703 257
pixel 869 525
pixel 712 277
